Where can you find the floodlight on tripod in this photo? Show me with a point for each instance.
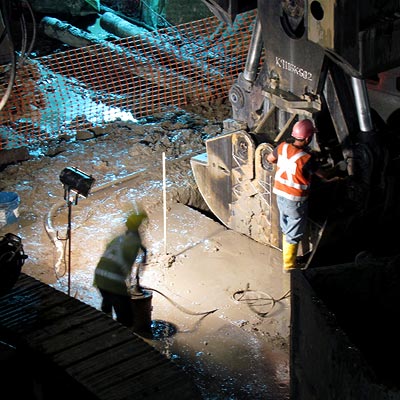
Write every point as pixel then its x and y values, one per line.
pixel 78 183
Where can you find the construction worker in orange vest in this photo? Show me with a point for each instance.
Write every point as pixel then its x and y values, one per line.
pixel 114 269
pixel 295 167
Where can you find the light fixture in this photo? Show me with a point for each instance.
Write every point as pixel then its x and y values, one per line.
pixel 76 181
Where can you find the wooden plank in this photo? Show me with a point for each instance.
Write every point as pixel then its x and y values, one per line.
pixel 31 315
pixel 78 335
pixel 157 383
pixel 115 356
pixel 24 320
pixel 23 297
pixel 65 320
pixel 25 293
pixel 128 369
pixel 78 342
pixel 91 345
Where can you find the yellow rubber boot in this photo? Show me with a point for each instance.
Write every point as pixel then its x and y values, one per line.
pixel 289 251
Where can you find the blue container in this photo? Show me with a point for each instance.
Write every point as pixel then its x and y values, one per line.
pixel 9 202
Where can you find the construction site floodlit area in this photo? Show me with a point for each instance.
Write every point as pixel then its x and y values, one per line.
pixel 174 108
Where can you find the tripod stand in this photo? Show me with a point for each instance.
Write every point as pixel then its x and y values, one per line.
pixel 69 197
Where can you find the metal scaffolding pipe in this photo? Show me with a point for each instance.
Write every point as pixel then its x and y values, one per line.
pixel 362 104
pixel 254 54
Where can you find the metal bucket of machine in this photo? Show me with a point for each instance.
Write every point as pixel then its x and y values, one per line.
pixel 9 202
pixel 142 308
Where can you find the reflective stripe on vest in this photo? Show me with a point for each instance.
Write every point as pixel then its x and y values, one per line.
pixel 110 275
pixel 112 269
pixel 289 179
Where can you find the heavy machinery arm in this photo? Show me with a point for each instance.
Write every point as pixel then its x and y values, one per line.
pixel 307 59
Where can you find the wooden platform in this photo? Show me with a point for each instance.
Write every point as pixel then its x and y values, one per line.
pixel 59 347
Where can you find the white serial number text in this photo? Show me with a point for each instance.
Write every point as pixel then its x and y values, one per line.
pixel 281 63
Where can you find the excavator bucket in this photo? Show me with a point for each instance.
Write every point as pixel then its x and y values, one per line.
pixel 236 190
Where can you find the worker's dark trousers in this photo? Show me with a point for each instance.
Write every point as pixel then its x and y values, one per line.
pixel 121 304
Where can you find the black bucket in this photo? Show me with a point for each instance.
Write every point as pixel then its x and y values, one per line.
pixel 142 308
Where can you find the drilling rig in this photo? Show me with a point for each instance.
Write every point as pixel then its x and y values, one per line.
pixel 322 60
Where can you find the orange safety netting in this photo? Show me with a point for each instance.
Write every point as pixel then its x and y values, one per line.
pixel 128 79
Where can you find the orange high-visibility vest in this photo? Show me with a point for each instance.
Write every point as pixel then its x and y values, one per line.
pixel 290 181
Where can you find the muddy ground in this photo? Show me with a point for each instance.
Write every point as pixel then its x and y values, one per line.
pixel 212 308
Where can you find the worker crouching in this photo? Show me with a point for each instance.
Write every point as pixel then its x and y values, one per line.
pixel 113 271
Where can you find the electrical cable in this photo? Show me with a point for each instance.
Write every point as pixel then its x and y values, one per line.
pixel 160 16
pixel 4 14
pixel 178 306
pixel 65 260
pixel 34 27
pixel 184 310
pixel 25 49
pixel 24 34
pixel 252 302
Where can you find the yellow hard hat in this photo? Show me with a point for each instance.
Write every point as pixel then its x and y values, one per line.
pixel 135 219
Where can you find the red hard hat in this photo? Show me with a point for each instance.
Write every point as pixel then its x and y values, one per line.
pixel 303 129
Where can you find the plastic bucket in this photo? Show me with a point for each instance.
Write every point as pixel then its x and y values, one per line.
pixel 9 202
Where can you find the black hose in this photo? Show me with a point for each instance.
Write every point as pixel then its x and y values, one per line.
pixel 240 296
pixel 183 309
pixel 34 27
pixel 4 11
